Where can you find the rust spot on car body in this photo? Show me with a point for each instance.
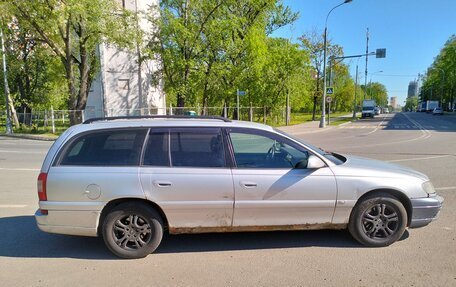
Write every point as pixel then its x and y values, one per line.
pixel 221 229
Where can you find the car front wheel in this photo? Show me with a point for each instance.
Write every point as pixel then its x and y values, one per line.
pixel 378 221
pixel 132 230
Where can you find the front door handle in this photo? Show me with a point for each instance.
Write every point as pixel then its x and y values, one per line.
pixel 162 183
pixel 248 184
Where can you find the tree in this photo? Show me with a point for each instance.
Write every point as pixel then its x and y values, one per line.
pixel 313 43
pixel 282 73
pixel 210 48
pixel 439 81
pixel 411 104
pixel 344 89
pixel 378 92
pixel 33 73
pixel 72 29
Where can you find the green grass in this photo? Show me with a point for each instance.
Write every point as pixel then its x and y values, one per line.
pixel 34 130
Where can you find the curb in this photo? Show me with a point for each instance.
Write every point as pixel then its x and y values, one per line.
pixel 29 137
pixel 344 124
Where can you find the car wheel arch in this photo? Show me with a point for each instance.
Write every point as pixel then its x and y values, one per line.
pixel 112 204
pixel 391 192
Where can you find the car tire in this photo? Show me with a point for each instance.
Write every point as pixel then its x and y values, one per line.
pixel 378 220
pixel 132 230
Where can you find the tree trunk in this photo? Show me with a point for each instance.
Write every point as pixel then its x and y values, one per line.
pixel 13 112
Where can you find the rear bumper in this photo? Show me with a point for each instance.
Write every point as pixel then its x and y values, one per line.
pixel 425 210
pixel 83 223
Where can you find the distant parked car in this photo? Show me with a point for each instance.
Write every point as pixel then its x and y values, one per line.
pixel 437 111
pixel 377 111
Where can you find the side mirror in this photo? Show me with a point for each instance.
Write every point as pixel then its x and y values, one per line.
pixel 302 164
pixel 314 162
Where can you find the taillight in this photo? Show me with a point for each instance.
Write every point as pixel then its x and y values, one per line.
pixel 42 186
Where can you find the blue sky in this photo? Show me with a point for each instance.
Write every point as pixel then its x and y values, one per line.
pixel 412 31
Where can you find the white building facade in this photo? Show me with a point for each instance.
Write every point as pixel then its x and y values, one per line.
pixel 126 86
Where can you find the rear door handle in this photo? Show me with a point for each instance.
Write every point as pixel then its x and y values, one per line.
pixel 162 183
pixel 248 184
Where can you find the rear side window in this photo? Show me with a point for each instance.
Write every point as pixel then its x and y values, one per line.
pixel 185 147
pixel 157 149
pixel 105 148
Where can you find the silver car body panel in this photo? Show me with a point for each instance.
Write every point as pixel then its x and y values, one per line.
pixel 222 199
pixel 191 197
pixel 283 196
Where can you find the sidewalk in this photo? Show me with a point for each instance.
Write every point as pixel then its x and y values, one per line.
pixel 30 137
pixel 313 126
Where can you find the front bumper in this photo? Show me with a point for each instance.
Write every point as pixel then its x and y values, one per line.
pixel 425 210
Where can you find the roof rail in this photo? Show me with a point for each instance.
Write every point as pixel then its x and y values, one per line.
pixel 157 117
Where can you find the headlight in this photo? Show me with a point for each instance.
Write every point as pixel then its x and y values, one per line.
pixel 428 188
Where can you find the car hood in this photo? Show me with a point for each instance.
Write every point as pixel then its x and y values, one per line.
pixel 359 166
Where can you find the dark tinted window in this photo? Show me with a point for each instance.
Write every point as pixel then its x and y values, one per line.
pixel 115 148
pixel 261 151
pixel 197 147
pixel 157 151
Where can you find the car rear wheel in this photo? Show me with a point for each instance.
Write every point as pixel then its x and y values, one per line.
pixel 132 230
pixel 378 221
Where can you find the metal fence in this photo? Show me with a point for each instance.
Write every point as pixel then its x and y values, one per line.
pixel 55 121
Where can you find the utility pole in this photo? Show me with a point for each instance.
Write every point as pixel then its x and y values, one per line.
pixel 9 128
pixel 356 87
pixel 365 72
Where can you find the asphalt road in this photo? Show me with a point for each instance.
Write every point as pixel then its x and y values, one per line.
pixel 424 257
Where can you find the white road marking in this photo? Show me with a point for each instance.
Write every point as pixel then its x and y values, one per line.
pixel 446 188
pixel 12 205
pixel 20 169
pixel 377 127
pixel 425 134
pixel 419 158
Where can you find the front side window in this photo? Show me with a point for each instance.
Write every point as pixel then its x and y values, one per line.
pixel 261 151
pixel 105 148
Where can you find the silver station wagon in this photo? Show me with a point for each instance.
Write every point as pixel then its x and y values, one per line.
pixel 131 180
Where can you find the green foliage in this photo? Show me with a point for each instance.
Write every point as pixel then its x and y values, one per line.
pixel 440 79
pixel 411 103
pixel 71 31
pixel 312 42
pixel 209 49
pixel 33 72
pixel 377 92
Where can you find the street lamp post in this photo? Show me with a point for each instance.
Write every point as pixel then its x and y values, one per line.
pixel 323 102
pixel 9 127
pixel 356 86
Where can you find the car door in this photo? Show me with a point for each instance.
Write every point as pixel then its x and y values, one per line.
pixel 185 172
pixel 269 191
